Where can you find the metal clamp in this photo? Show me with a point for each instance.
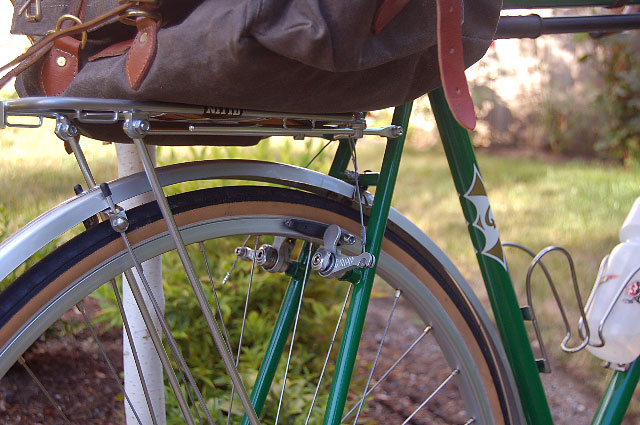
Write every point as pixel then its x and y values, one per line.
pixel 329 261
pixel 117 215
pixel 64 129
pixel 136 125
pixel 529 313
pixel 244 253
pixel 359 124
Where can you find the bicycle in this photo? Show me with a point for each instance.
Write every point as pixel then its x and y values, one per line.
pixel 277 230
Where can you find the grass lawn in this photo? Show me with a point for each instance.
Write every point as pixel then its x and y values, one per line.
pixel 578 205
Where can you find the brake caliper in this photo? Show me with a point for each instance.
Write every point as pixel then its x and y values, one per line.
pixel 329 261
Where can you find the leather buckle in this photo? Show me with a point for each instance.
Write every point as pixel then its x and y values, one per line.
pixel 77 21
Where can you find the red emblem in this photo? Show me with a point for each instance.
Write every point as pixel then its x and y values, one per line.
pixel 634 289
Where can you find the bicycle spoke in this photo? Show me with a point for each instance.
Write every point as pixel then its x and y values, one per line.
pixel 375 362
pixel 23 363
pixel 388 372
pixel 106 358
pixel 151 328
pixel 155 337
pixel 293 335
pixel 227 276
pixel 134 352
pixel 190 395
pixel 244 321
pixel 215 293
pixel 173 345
pixel 432 395
pixel 326 359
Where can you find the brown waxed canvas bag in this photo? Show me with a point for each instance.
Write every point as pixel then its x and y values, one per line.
pixel 310 56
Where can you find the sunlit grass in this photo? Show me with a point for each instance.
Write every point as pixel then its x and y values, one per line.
pixel 36 173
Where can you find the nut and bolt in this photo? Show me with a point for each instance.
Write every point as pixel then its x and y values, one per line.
pixel 136 128
pixel 119 224
pixel 142 125
pixel 348 238
pixel 244 253
pixel 267 256
pixel 322 260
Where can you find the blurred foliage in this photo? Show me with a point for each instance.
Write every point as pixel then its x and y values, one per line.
pixel 597 113
pixel 617 58
pixel 579 95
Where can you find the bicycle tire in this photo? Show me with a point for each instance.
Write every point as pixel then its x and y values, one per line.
pixel 43 293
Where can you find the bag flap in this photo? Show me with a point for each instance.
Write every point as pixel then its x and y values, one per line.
pixel 337 35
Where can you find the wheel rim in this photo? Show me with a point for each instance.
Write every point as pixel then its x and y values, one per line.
pixel 468 380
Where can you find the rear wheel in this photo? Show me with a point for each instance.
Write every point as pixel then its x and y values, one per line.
pixel 441 365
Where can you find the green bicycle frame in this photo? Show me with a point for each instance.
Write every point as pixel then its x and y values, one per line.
pixel 509 319
pixel 486 240
pixel 363 281
pixel 362 290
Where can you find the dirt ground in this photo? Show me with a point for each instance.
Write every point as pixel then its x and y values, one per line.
pixel 74 373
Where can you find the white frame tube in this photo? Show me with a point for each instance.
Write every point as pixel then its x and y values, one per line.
pixel 129 163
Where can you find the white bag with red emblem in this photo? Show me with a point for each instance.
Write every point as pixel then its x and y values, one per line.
pixel 613 312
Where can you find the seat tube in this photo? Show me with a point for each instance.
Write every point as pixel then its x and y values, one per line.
pixel 362 289
pixel 486 241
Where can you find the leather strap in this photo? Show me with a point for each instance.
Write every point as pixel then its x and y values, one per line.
pixel 450 57
pixel 39 49
pixel 22 66
pixel 386 12
pixel 139 59
pixel 451 62
pixel 60 66
pixel 142 52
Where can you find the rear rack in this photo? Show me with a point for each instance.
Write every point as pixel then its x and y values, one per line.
pixel 166 119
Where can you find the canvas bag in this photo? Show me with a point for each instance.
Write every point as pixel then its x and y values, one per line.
pixel 311 56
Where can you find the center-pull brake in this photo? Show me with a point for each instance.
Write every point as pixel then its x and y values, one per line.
pixel 329 261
